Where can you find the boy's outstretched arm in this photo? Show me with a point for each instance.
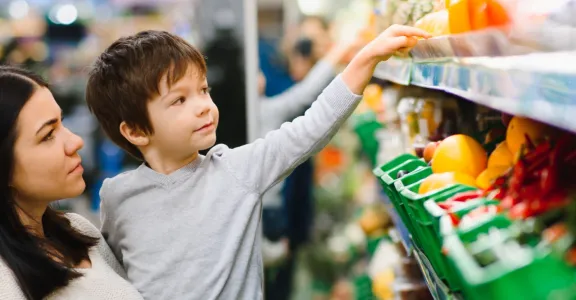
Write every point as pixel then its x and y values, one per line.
pixel 267 161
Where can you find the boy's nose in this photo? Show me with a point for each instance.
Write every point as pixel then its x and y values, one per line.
pixel 204 108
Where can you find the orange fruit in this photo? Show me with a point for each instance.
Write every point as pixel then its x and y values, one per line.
pixel 519 127
pixel 440 180
pixel 501 156
pixel 459 153
pixel 486 178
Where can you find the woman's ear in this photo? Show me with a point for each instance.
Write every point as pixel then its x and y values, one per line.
pixel 135 136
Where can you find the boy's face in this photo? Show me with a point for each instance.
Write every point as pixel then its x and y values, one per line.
pixel 183 116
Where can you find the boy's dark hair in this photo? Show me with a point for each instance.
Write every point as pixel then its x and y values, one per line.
pixel 127 75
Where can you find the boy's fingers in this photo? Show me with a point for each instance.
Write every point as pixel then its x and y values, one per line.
pixel 401 30
pixel 402 42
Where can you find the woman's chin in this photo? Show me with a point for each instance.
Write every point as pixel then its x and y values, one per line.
pixel 75 189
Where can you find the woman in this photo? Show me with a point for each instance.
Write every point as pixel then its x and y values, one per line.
pixel 45 254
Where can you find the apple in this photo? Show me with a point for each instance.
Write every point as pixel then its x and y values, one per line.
pixel 429 151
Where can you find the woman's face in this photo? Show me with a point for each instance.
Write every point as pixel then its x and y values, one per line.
pixel 47 165
pixel 299 67
pixel 314 30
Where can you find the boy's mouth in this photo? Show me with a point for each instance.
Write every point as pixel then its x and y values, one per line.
pixel 205 127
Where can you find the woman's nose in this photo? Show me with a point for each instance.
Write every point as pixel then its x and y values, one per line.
pixel 73 144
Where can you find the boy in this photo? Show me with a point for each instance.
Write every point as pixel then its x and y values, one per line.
pixel 187 226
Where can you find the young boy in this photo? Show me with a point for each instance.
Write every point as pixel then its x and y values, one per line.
pixel 187 226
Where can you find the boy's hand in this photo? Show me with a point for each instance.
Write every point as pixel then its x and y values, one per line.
pixel 396 38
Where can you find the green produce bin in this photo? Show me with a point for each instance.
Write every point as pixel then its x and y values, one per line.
pixel 381 170
pixel 414 203
pixel 363 288
pixel 430 228
pixel 366 125
pixel 493 265
pixel 388 178
pixel 399 185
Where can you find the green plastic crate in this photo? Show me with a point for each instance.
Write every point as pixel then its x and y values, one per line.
pixel 381 170
pixel 414 203
pixel 415 176
pixel 389 178
pixel 511 271
pixel 366 125
pixel 431 229
pixel 433 213
pixel 363 288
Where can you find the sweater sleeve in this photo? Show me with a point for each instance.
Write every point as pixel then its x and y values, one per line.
pixel 104 250
pixel 109 235
pixel 9 288
pixel 282 108
pixel 267 161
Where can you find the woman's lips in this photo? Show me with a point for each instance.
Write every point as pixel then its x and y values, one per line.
pixel 77 169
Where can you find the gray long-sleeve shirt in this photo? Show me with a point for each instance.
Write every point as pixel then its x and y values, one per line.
pixel 195 233
pixel 282 108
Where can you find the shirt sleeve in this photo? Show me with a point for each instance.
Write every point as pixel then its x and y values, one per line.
pixel 269 160
pixel 111 248
pixel 274 111
pixel 9 288
pixel 104 250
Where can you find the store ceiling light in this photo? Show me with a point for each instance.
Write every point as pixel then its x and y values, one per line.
pixel 312 7
pixel 18 9
pixel 65 14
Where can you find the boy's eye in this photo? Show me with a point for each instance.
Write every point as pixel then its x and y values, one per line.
pixel 206 90
pixel 49 136
pixel 179 101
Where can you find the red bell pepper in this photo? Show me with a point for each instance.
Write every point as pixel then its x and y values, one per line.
pixel 519 211
pixel 446 205
pixel 454 218
pixel 465 196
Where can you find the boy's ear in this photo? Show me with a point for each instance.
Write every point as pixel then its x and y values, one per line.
pixel 135 136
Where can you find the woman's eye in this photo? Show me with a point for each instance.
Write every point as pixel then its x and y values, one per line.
pixel 178 101
pixel 49 136
pixel 206 90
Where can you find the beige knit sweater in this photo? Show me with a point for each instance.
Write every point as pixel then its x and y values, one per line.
pixel 105 280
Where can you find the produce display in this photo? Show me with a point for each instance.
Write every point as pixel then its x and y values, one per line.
pixel 467 200
pixel 481 200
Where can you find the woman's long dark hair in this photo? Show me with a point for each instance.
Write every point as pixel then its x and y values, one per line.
pixel 41 265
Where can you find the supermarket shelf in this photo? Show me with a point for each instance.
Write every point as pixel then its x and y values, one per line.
pixel 538 85
pixel 438 289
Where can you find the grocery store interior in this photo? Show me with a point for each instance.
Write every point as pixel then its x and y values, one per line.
pixel 451 180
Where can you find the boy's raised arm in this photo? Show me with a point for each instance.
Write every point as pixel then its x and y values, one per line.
pixel 267 161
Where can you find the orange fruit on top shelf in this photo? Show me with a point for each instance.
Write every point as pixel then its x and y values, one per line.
pixel 440 180
pixel 459 153
pixel 501 156
pixel 458 16
pixel 519 127
pixel 478 14
pixel 497 14
pixel 486 178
